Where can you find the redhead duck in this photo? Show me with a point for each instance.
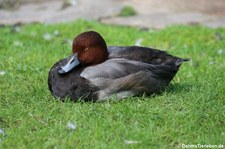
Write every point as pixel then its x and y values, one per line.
pixel 95 72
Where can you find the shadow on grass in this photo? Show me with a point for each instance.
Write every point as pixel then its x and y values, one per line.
pixel 177 88
pixel 174 88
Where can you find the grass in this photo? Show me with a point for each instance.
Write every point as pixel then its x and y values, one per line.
pixel 127 11
pixel 190 111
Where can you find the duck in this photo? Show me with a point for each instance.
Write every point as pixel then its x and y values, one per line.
pixel 97 72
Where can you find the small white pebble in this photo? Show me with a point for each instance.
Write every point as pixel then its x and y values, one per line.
pixel 33 34
pixel 47 36
pixel 68 3
pixel 71 126
pixel 72 2
pixel 211 63
pixel 69 42
pixel 2 131
pixel 151 30
pixel 138 42
pixel 16 29
pixel 2 73
pixel 131 142
pixel 221 51
pixel 56 32
pixel 107 105
pixel 185 46
pixel 17 43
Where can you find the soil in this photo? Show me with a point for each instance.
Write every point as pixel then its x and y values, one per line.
pixel 151 13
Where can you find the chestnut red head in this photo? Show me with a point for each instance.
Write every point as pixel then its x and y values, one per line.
pixel 89 48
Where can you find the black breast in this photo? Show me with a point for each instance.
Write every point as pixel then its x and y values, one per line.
pixel 71 84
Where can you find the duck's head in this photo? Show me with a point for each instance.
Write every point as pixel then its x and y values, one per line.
pixel 89 48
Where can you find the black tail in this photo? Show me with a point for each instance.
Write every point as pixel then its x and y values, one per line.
pixel 181 60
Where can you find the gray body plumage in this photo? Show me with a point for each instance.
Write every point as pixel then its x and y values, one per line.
pixel 121 78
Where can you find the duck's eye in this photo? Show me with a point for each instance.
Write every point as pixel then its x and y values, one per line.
pixel 86 49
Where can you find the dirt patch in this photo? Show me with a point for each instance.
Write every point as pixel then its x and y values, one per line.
pixel 161 13
pixel 15 4
pixel 203 6
pixel 151 13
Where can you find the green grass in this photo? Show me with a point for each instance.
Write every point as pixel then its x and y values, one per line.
pixel 127 11
pixel 190 111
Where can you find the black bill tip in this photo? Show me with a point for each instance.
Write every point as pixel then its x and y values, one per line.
pixel 61 71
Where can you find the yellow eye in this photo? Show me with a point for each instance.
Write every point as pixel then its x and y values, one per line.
pixel 85 49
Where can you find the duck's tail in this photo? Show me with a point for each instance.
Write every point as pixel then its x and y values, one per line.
pixel 181 60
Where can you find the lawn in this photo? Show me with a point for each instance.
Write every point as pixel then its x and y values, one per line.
pixel 191 111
